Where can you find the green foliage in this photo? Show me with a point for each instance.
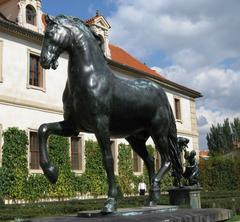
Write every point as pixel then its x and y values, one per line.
pixel 222 137
pixel 17 183
pixel 221 199
pixel 10 212
pixel 235 126
pixel 220 173
pixel 94 176
pixel 37 187
pixel 125 168
pixel 14 173
pixel 60 156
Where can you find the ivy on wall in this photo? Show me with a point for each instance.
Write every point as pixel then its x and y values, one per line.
pixel 60 156
pixel 94 177
pixel 125 170
pixel 14 170
pixel 16 183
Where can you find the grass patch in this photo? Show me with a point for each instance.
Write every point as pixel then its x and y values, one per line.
pixel 235 218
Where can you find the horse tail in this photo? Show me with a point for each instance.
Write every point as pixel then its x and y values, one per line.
pixel 174 152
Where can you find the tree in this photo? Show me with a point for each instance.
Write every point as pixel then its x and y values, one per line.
pixel 227 136
pixel 215 140
pixel 221 138
pixel 235 125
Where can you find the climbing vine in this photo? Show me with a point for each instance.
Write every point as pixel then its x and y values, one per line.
pixel 17 183
pixel 14 171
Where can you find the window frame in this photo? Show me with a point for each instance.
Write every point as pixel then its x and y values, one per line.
pixel 140 162
pixel 82 141
pixel 113 144
pixel 29 86
pixel 32 171
pixel 175 98
pixel 33 10
pixel 157 160
pixel 1 60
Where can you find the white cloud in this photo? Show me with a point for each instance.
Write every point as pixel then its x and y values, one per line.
pixel 198 37
pixel 220 88
pixel 207 29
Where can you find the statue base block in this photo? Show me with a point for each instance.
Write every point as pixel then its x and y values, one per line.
pixel 180 215
pixel 188 195
pixel 129 211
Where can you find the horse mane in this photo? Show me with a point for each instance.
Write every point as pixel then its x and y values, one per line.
pixel 71 21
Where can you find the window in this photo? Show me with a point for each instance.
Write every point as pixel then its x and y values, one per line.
pixel 76 153
pixel 177 106
pixel 35 71
pixel 158 161
pixel 1 60
pixel 136 163
pixel 114 154
pixel 34 151
pixel 1 145
pixel 30 15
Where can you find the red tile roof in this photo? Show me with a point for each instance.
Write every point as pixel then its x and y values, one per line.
pixel 121 56
pixel 203 153
pixel 3 1
pixel 92 20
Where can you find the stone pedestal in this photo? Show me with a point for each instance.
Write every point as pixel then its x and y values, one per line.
pixel 181 215
pixel 188 195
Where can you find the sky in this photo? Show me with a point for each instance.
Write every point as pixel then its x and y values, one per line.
pixel 194 43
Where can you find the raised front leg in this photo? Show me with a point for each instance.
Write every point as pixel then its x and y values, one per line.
pixel 103 137
pixel 63 128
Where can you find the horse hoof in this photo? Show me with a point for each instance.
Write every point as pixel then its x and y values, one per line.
pixel 110 206
pixel 149 203
pixel 51 173
pixel 153 198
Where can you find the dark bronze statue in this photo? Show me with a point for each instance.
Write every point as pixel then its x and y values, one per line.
pixel 192 171
pixel 96 101
pixel 182 146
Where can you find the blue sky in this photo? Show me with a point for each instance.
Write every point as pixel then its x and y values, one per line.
pixel 194 43
pixel 83 9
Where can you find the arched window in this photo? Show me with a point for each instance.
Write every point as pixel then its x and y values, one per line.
pixel 30 15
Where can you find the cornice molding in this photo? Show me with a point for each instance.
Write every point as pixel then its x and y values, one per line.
pixel 23 103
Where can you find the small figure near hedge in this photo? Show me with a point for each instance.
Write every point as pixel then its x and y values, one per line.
pixel 192 171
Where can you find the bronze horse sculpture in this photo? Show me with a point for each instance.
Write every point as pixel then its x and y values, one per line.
pixel 96 101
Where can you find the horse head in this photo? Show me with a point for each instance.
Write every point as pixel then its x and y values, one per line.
pixel 64 33
pixel 56 40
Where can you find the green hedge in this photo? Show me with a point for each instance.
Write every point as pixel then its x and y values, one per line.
pixel 16 183
pixel 10 212
pixel 220 173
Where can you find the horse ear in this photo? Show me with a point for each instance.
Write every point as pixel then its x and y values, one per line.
pixel 49 19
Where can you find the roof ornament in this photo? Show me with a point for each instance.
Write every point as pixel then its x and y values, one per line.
pixel 97 12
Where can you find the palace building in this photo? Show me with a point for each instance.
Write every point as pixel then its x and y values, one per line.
pixel 30 95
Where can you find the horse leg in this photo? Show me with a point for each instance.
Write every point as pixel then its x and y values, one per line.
pixel 103 138
pixel 138 145
pixel 161 141
pixel 63 128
